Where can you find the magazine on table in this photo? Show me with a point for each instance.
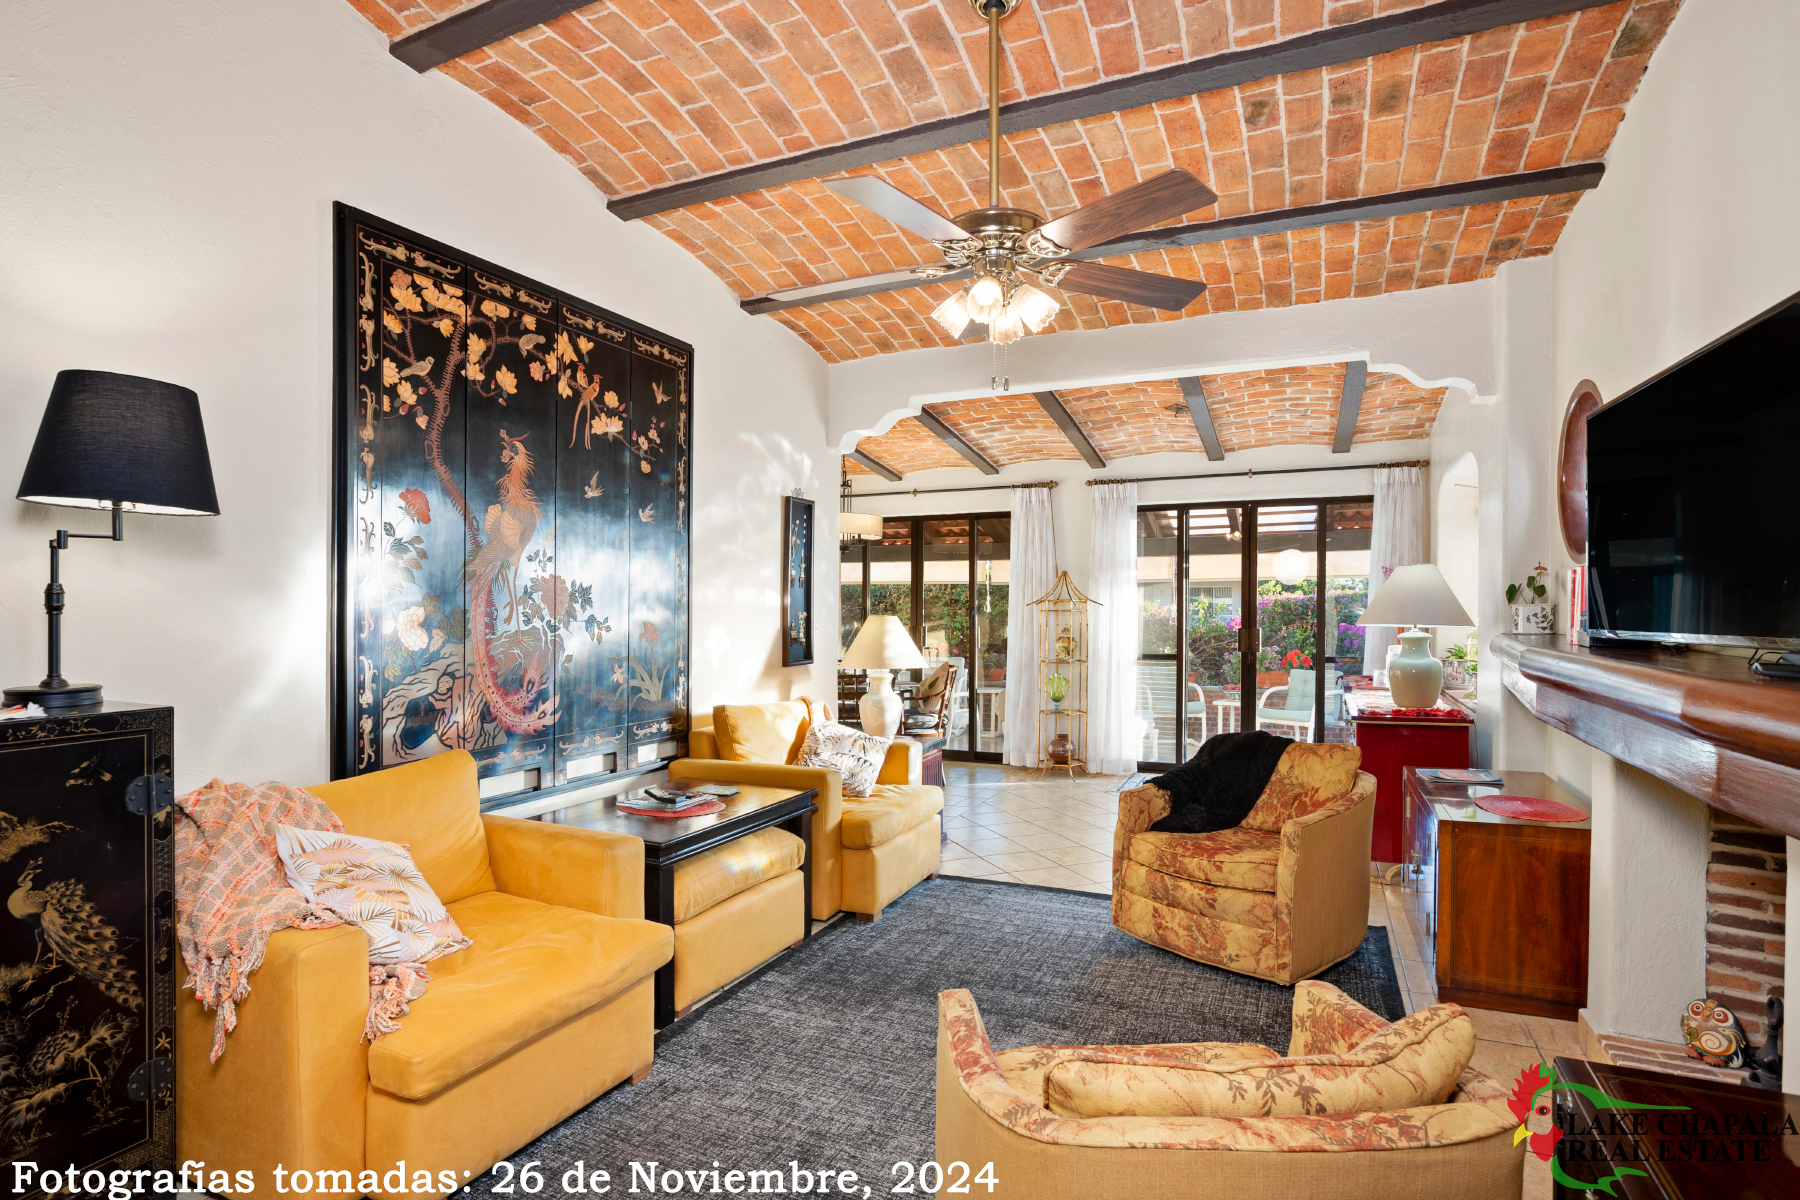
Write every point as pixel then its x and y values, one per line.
pixel 661 799
pixel 1458 774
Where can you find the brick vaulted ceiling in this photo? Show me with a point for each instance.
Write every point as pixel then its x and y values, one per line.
pixel 642 94
pixel 1280 406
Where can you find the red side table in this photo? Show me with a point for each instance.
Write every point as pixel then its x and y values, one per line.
pixel 1393 740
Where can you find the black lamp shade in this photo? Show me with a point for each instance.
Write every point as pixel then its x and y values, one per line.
pixel 108 437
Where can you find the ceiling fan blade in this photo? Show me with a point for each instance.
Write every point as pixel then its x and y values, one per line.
pixel 839 285
pixel 883 198
pixel 1167 196
pixel 1134 287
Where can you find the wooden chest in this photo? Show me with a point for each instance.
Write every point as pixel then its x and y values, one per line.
pixel 87 945
pixel 1506 900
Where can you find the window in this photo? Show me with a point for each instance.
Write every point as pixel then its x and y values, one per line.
pixel 1262 587
pixel 947 578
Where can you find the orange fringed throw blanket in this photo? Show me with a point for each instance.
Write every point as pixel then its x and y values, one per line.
pixel 232 894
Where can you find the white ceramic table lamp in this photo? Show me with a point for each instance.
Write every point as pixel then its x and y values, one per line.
pixel 1415 595
pixel 881 647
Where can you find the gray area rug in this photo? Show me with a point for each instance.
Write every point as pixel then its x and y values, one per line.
pixel 827 1055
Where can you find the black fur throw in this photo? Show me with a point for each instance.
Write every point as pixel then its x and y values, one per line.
pixel 1217 788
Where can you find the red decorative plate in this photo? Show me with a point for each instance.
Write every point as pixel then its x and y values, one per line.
pixel 1530 808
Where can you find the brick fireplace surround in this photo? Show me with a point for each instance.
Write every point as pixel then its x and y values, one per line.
pixel 1746 914
pixel 1694 727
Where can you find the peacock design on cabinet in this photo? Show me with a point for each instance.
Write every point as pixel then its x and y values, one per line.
pixel 35 1081
pixel 71 928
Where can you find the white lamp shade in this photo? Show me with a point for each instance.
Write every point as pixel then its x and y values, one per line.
pixel 953 314
pixel 863 525
pixel 1415 595
pixel 882 645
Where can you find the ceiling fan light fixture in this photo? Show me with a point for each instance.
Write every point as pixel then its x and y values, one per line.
pixel 1036 309
pixel 1006 327
pixel 953 314
pixel 986 299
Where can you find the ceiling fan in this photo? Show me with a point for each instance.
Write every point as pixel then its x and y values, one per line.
pixel 997 244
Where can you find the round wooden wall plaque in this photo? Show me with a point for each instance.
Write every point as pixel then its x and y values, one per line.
pixel 1572 469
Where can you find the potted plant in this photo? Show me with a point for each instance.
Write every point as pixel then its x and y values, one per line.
pixel 1459 665
pixel 1529 613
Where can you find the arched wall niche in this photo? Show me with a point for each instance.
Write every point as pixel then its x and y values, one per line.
pixel 1571 475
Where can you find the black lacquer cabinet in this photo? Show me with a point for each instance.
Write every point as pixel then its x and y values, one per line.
pixel 87 943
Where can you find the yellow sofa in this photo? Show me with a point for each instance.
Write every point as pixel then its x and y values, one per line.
pixel 991 1109
pixel 550 1006
pixel 866 852
pixel 1281 906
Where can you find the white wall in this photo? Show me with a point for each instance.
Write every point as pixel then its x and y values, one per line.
pixel 1506 443
pixel 165 210
pixel 1456 540
pixel 1691 234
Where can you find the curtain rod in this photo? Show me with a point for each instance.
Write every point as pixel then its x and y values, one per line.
pixel 985 487
pixel 1250 473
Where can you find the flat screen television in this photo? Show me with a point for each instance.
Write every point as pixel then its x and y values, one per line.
pixel 1694 497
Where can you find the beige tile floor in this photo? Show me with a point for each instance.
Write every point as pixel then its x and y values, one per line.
pixel 1030 827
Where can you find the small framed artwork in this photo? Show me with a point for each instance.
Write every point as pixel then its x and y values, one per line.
pixel 796 572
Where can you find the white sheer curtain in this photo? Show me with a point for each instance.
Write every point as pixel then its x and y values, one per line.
pixel 1396 539
pixel 1113 629
pixel 1033 570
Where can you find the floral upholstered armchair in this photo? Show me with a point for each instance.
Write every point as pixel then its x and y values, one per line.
pixel 1357 1107
pixel 1282 896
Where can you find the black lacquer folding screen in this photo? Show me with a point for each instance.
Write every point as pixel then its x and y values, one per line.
pixel 512 517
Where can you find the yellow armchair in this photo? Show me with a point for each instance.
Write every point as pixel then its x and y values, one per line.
pixel 549 1007
pixel 866 851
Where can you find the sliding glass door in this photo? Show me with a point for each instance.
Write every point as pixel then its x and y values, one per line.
pixel 947 578
pixel 1236 601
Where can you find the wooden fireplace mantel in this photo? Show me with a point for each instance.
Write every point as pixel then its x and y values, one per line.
pixel 1699 721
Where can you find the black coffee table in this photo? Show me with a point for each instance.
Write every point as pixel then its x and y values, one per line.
pixel 669 842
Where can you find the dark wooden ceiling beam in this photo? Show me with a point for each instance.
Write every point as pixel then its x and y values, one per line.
pixel 880 468
pixel 1051 403
pixel 1328 47
pixel 1202 417
pixel 1350 405
pixel 1549 182
pixel 474 27
pixel 954 440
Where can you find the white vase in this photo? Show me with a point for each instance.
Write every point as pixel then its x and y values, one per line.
pixel 1534 618
pixel 880 707
pixel 1415 678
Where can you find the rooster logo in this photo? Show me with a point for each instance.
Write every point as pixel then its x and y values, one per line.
pixel 1532 1097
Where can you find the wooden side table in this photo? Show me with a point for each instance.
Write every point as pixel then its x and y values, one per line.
pixel 1391 743
pixel 1506 899
pixel 931 756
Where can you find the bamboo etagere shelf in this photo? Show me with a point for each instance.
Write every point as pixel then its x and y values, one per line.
pixel 1062 643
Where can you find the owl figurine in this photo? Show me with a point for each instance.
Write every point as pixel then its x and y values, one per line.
pixel 1714 1035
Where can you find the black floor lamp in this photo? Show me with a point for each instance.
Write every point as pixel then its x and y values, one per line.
pixel 115 442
